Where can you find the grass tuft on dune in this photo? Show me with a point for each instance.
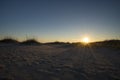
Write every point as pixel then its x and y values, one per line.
pixel 9 40
pixel 31 42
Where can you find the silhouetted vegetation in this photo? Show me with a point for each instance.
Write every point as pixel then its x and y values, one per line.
pixel 31 42
pixel 111 42
pixel 9 40
pixel 107 43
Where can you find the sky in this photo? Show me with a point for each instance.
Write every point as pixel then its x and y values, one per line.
pixel 60 20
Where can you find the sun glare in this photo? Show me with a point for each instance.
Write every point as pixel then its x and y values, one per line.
pixel 85 40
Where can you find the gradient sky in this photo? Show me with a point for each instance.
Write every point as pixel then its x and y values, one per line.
pixel 60 20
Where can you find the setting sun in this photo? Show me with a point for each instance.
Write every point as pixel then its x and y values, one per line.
pixel 86 40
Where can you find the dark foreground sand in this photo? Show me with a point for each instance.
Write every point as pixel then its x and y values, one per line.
pixel 58 62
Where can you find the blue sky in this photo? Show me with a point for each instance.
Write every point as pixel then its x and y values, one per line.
pixel 60 20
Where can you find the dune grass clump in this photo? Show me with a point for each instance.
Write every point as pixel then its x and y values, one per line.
pixel 107 43
pixel 31 42
pixel 112 43
pixel 9 41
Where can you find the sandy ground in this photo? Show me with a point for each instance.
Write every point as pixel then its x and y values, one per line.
pixel 58 62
